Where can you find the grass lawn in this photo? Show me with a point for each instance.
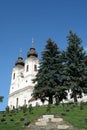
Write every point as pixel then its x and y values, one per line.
pixel 18 120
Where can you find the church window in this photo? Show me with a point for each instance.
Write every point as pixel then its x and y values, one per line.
pixel 27 68
pixel 14 76
pixel 17 103
pixel 35 67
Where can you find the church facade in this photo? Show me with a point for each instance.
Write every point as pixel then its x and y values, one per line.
pixel 21 87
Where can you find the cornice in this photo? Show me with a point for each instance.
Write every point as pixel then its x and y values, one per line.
pixel 21 90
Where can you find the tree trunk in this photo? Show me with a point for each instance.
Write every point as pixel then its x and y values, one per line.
pixel 57 100
pixel 50 99
pixel 75 97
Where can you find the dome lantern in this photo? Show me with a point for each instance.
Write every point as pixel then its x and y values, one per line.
pixel 32 51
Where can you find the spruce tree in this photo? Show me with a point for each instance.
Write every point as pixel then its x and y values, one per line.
pixel 1 98
pixel 84 83
pixel 74 66
pixel 48 78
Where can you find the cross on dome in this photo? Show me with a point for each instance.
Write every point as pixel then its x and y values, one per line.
pixel 32 51
pixel 20 52
pixel 32 42
pixel 20 59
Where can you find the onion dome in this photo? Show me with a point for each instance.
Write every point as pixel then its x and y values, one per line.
pixel 19 61
pixel 32 51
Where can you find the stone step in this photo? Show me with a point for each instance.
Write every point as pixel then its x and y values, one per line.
pixel 50 122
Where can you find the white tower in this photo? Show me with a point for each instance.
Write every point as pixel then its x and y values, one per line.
pixel 22 86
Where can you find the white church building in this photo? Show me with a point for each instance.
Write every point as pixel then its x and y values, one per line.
pixel 22 86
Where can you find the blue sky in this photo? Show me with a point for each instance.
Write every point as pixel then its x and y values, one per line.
pixel 22 20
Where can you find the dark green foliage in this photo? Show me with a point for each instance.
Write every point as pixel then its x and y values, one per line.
pixel 13 110
pixel 17 122
pixel 74 69
pixel 22 119
pixel 7 109
pixel 3 119
pixel 1 98
pixel 10 115
pixel 63 114
pixel 24 108
pixel 67 110
pixel 30 108
pixel 62 71
pixel 11 119
pixel 5 122
pixel 86 119
pixel 4 115
pixel 48 79
pixel 49 108
pixel 26 122
pixel 84 83
pixel 25 114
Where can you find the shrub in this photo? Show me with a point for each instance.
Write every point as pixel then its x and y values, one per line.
pixel 17 122
pixel 24 109
pixel 49 108
pixel 63 113
pixel 10 115
pixel 86 119
pixel 25 114
pixel 4 115
pixel 7 109
pixel 26 122
pixel 11 119
pixel 22 119
pixel 13 110
pixel 5 122
pixel 67 110
pixel 3 119
pixel 20 108
pixel 30 108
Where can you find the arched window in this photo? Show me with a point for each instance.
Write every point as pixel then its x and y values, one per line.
pixel 16 102
pixel 35 67
pixel 14 76
pixel 27 68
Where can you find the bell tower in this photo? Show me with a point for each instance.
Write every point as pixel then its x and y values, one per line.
pixel 23 73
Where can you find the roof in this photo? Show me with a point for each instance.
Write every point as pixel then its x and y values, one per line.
pixel 32 52
pixel 19 61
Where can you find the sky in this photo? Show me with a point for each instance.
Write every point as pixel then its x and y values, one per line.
pixel 22 20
